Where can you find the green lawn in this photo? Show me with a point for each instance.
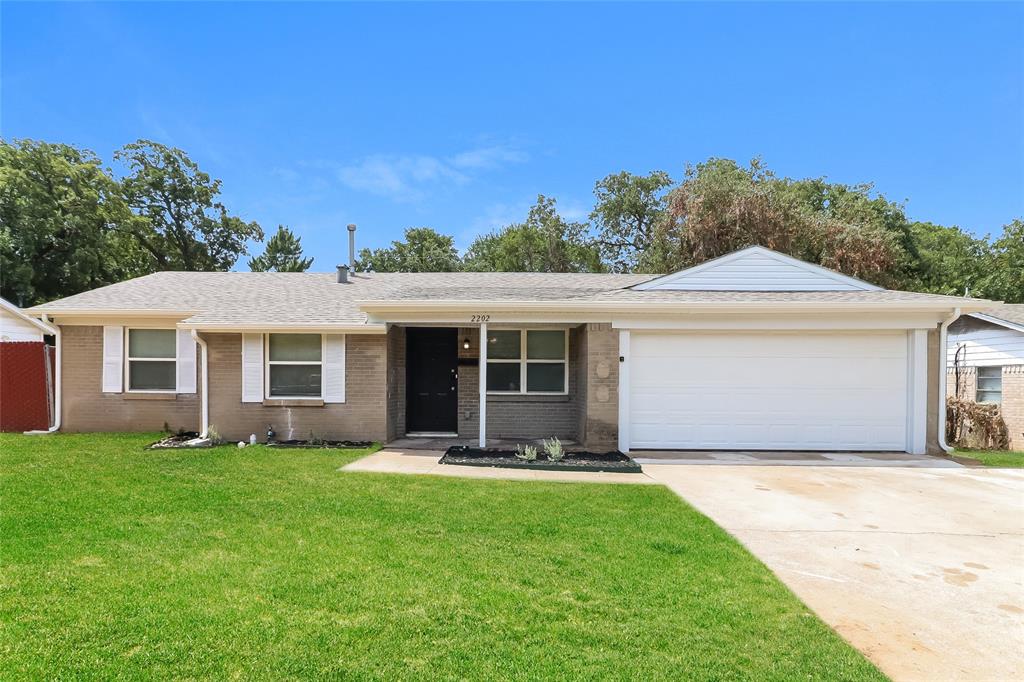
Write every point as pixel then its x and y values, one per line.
pixel 262 563
pixel 995 458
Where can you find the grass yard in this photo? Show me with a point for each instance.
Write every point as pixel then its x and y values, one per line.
pixel 263 563
pixel 995 458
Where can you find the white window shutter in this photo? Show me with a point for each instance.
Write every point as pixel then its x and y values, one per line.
pixel 252 368
pixel 186 362
pixel 334 368
pixel 113 359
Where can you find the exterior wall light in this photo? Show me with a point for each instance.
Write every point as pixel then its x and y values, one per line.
pixel 465 343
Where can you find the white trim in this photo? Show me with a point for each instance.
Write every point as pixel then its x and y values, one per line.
pixel 112 371
pixel 267 362
pixel 941 364
pixel 333 379
pixel 997 320
pixel 272 328
pixel 624 351
pixel 917 391
pixel 204 402
pixel 483 385
pixel 252 368
pixel 524 362
pixel 185 369
pixel 20 314
pixel 128 360
pixel 759 251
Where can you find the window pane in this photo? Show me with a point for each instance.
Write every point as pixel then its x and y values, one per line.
pixel 292 347
pixel 547 377
pixel 989 397
pixel 545 345
pixel 503 376
pixel 151 375
pixel 503 344
pixel 151 343
pixel 295 380
pixel 990 372
pixel 991 383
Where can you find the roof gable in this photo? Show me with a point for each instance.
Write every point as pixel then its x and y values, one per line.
pixel 756 269
pixel 17 313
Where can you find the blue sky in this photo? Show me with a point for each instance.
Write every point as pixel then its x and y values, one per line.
pixel 456 116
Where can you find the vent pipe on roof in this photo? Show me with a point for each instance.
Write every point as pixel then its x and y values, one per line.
pixel 352 246
pixel 342 274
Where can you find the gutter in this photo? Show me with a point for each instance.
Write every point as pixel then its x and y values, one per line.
pixel 204 402
pixel 943 353
pixel 58 388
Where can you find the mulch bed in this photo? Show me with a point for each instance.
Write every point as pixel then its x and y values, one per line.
pixel 177 440
pixel 573 461
pixel 347 444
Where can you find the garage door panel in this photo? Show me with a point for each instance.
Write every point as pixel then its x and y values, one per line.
pixel 799 391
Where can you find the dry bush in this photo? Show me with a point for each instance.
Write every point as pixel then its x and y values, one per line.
pixel 976 425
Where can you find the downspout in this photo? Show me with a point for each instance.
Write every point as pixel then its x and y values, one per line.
pixel 943 354
pixel 58 374
pixel 204 399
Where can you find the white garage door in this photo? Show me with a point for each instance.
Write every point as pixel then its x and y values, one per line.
pixel 804 391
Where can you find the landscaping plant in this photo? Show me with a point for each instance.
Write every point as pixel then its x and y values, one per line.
pixel 554 449
pixel 527 453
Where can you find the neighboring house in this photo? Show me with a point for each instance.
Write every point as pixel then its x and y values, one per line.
pixel 754 350
pixel 986 353
pixel 26 364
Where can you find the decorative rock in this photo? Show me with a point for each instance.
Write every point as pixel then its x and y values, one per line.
pixel 241 444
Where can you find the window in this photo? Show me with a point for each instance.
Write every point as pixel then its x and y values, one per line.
pixel 294 365
pixel 151 360
pixel 990 385
pixel 527 360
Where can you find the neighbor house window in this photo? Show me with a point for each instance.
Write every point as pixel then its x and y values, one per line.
pixel 294 365
pixel 151 360
pixel 527 360
pixel 990 385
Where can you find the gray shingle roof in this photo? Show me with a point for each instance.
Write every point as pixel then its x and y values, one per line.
pixel 1011 312
pixel 249 298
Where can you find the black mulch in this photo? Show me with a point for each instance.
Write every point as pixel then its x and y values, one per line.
pixel 348 444
pixel 573 461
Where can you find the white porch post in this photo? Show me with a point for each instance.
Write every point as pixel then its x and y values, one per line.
pixel 624 343
pixel 483 384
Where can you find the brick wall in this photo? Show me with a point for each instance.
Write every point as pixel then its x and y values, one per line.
pixel 87 408
pixel 1013 404
pixel 600 416
pixel 396 382
pixel 363 415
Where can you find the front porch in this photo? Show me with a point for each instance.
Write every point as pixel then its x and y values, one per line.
pixel 529 382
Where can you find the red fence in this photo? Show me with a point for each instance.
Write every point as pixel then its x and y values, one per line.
pixel 26 394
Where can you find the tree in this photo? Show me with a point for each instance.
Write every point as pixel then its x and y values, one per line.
pixel 63 224
pixel 544 243
pixel 185 227
pixel 629 211
pixel 424 250
pixel 948 261
pixel 1006 279
pixel 282 254
pixel 721 207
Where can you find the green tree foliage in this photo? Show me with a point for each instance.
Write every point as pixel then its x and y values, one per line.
pixel 184 226
pixel 64 227
pixel 423 250
pixel 721 207
pixel 282 254
pixel 948 261
pixel 628 215
pixel 546 242
pixel 1006 274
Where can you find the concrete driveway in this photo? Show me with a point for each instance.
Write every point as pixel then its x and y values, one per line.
pixel 922 569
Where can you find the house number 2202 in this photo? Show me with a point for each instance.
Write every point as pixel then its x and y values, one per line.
pixel 480 318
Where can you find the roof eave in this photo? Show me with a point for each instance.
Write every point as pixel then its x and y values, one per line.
pixel 271 328
pixel 634 307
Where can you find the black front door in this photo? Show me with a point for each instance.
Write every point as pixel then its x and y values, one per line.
pixel 432 382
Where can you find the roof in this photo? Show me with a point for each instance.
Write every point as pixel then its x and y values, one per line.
pixel 262 299
pixel 1010 315
pixel 14 310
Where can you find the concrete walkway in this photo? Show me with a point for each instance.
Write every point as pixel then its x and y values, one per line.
pixel 921 569
pixel 397 461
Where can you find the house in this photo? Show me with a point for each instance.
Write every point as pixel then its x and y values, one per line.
pixel 26 369
pixel 985 363
pixel 754 350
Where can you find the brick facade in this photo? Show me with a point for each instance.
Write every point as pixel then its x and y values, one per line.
pixel 86 407
pixel 363 415
pixel 599 414
pixel 1012 405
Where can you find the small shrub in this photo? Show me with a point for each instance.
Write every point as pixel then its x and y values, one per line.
pixel 214 435
pixel 527 453
pixel 554 449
